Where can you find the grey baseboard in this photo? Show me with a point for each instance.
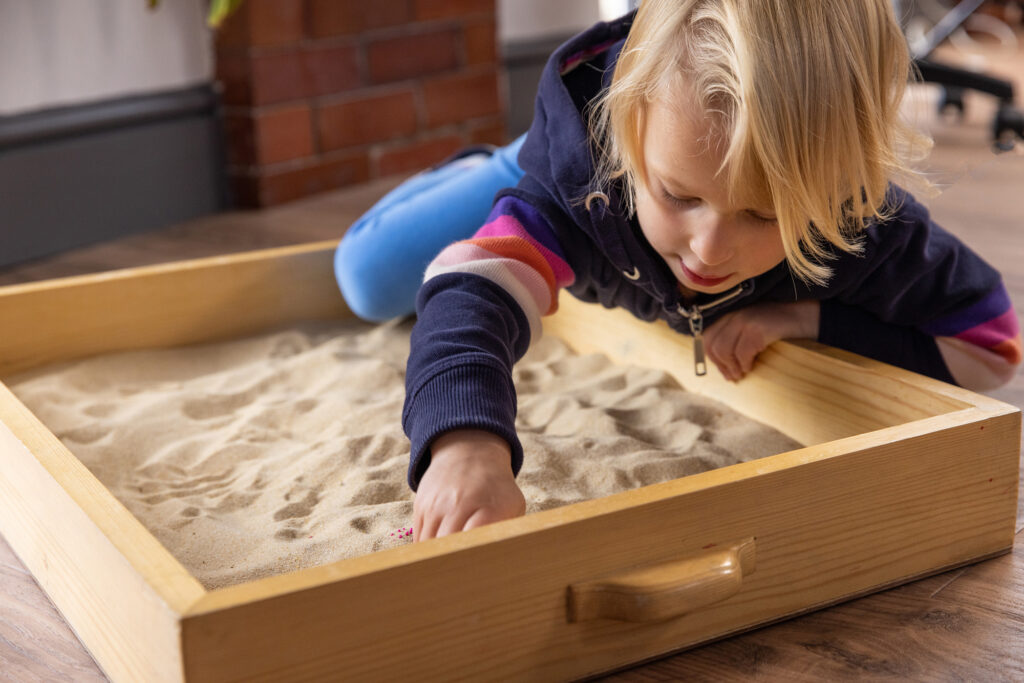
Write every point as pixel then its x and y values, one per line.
pixel 82 174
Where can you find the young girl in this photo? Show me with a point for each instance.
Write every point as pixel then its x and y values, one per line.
pixel 724 165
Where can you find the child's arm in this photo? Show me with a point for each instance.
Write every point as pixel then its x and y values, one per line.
pixel 469 483
pixel 978 352
pixel 733 341
pixel 921 299
pixel 917 298
pixel 478 310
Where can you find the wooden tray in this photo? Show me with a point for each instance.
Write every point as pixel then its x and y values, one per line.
pixel 901 476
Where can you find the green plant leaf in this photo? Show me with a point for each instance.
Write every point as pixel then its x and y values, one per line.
pixel 221 10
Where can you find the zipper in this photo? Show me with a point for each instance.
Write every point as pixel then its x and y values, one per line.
pixel 696 319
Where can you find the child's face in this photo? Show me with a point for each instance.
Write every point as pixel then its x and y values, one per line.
pixel 709 242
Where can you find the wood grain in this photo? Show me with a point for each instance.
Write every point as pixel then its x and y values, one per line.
pixel 212 298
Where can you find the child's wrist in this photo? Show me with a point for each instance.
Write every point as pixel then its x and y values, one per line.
pixel 806 319
pixel 470 442
pixel 813 319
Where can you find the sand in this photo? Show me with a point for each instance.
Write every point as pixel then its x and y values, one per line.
pixel 259 456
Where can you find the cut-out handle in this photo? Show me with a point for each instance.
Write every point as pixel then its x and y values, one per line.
pixel 665 590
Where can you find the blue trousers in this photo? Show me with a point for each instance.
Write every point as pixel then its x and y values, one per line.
pixel 380 262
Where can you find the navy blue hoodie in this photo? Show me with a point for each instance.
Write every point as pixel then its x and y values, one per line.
pixel 914 287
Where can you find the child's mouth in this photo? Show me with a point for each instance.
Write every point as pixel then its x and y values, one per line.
pixel 699 279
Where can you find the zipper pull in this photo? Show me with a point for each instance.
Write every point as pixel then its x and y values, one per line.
pixel 697 328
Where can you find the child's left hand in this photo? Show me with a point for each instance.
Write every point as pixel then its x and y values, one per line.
pixel 734 340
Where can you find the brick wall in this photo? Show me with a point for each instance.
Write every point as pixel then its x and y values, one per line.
pixel 324 93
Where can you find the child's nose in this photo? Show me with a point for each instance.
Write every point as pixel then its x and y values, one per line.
pixel 713 242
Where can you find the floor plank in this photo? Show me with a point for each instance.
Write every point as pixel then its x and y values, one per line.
pixel 35 642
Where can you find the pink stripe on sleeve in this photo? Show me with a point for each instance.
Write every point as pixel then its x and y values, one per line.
pixel 508 226
pixel 992 332
pixel 468 257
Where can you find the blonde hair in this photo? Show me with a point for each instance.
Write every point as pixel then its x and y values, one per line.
pixel 806 94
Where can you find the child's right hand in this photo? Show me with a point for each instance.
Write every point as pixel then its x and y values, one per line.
pixel 469 483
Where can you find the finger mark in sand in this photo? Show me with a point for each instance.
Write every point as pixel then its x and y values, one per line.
pixel 235 501
pixel 373 450
pixel 85 435
pixel 216 405
pixel 289 346
pixel 361 524
pixel 305 405
pixel 100 409
pixel 289 534
pixel 159 484
pixel 376 492
pixel 212 490
pixel 701 415
pixel 380 474
pixel 303 508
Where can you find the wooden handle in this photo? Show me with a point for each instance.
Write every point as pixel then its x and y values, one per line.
pixel 665 590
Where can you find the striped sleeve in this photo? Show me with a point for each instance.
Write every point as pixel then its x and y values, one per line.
pixel 981 344
pixel 478 310
pixel 516 251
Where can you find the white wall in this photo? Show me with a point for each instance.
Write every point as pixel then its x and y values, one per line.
pixel 61 52
pixel 532 19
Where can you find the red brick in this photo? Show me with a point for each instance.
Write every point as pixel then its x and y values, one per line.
pixel 263 23
pixel 329 18
pixel 274 22
pixel 233 33
pixel 445 9
pixel 279 77
pixel 371 119
pixel 458 98
pixel 241 140
pixel 269 137
pixel 233 73
pixel 276 186
pixel 417 156
pixel 283 135
pixel 395 59
pixel 481 42
pixel 490 133
pixel 332 70
pixel 298 74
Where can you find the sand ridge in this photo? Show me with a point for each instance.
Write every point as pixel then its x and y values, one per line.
pixel 258 456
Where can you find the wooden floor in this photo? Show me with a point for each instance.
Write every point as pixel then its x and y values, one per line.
pixel 963 625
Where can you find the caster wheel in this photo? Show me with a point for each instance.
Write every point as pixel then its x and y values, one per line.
pixel 951 103
pixel 1008 128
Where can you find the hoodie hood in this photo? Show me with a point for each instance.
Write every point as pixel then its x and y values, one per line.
pixel 558 158
pixel 557 151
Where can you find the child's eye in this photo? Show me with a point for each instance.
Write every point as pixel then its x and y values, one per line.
pixel 761 219
pixel 678 201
